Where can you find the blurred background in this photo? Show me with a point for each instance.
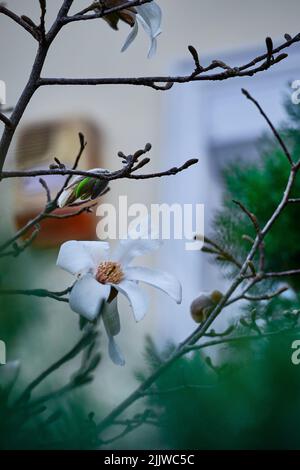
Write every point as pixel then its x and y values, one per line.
pixel 209 121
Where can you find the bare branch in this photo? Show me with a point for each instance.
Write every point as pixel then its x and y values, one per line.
pixel 131 164
pixel 81 16
pixel 125 172
pixel 5 11
pixel 82 145
pixel 256 226
pixel 5 120
pixel 271 125
pixel 89 336
pixel 46 213
pixel 46 188
pixel 294 201
pixel 167 81
pixel 59 296
pixel 215 249
pixel 235 339
pixel 291 272
pixel 43 6
pixel 258 298
pixel 249 214
pixel 32 84
pixel 190 343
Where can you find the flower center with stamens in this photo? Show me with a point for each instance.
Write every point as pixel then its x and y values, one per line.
pixel 109 272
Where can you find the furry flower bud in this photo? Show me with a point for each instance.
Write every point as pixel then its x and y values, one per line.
pixel 204 304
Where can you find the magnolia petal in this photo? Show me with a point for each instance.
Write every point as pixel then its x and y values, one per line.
pixel 152 49
pixel 74 180
pixel 114 352
pixel 151 15
pixel 64 198
pixel 159 279
pixel 153 41
pixel 98 251
pixel 137 298
pixel 131 37
pixel 87 296
pixel 79 258
pixel 111 319
pixel 130 249
pixel 74 258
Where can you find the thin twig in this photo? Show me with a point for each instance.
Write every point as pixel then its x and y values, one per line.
pixel 5 120
pixel 271 125
pixel 81 15
pixel 258 298
pixel 46 188
pixel 59 296
pixel 294 201
pixel 256 226
pixel 125 172
pixel 291 272
pixel 49 208
pixel 43 7
pixel 236 339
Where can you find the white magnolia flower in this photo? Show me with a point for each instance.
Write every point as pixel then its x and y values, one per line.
pixel 149 16
pixel 101 275
pixel 83 188
pixel 8 375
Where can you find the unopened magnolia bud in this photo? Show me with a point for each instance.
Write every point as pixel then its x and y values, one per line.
pixel 203 305
pixel 83 188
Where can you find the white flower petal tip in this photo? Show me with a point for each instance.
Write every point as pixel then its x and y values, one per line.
pixel 159 279
pixel 87 297
pixel 149 16
pixel 111 320
pixel 131 37
pixel 63 199
pixel 115 353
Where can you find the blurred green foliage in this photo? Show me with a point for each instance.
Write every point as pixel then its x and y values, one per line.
pixel 259 186
pixel 247 395
pixel 64 421
pixel 250 402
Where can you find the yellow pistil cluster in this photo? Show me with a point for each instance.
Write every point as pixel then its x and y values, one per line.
pixel 109 272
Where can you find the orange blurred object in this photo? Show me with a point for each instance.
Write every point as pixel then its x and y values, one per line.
pixel 37 146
